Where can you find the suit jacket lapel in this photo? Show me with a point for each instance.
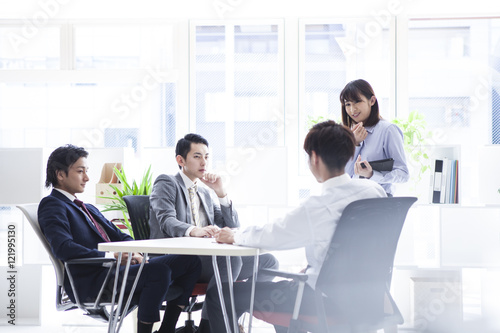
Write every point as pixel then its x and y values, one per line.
pixel 204 198
pixel 184 190
pixel 64 198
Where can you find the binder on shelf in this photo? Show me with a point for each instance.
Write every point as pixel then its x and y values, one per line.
pixel 445 181
pixel 438 175
pixel 455 183
pixel 444 186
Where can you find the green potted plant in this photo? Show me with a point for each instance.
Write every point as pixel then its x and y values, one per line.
pixel 415 134
pixel 118 204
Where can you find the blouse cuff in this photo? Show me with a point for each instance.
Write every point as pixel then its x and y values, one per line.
pixel 377 176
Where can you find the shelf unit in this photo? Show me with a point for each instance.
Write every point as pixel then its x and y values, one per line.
pixel 444 153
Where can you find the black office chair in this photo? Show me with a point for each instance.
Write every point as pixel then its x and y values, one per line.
pixel 96 309
pixel 138 210
pixel 352 291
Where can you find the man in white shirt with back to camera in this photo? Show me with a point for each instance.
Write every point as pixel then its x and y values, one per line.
pixel 311 225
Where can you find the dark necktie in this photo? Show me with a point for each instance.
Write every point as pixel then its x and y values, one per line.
pixel 99 228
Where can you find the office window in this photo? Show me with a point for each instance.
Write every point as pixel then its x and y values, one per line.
pixel 123 46
pixel 324 68
pixel 452 66
pixel 332 54
pixel 122 93
pixel 494 55
pixel 86 114
pixel 25 47
pixel 237 92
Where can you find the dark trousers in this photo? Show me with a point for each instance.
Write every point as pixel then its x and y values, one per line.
pixel 269 297
pixel 241 268
pixel 156 277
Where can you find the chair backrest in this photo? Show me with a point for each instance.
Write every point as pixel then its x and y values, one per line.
pixel 138 210
pixel 62 301
pixel 358 267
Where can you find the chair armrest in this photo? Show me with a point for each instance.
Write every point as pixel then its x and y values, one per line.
pixel 96 260
pixel 300 277
pixel 287 275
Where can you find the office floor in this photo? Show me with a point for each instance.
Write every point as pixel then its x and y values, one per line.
pixel 74 321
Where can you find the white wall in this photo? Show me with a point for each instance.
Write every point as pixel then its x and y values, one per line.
pixel 21 175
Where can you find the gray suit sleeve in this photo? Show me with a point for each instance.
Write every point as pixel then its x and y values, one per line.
pixel 226 216
pixel 166 208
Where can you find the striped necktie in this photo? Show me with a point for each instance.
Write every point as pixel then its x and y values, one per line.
pixel 194 210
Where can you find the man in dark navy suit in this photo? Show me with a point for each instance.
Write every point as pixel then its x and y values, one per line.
pixel 74 230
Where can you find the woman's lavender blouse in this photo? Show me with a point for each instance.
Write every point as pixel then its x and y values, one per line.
pixel 384 140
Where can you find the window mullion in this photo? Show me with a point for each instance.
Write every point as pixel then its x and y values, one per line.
pixel 230 73
pixel 400 108
pixel 67 47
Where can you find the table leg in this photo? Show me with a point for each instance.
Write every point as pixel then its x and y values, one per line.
pixel 231 292
pixel 252 294
pixel 116 313
pixel 132 290
pixel 221 295
pixel 113 316
pixel 115 287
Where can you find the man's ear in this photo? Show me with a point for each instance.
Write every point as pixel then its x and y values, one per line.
pixel 180 160
pixel 314 158
pixel 60 175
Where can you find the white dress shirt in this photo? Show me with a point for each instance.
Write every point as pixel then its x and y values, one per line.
pixel 313 223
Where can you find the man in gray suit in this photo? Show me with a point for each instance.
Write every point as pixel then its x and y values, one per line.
pixel 182 206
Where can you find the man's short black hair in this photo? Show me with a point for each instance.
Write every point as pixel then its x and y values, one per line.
pixel 184 145
pixel 62 159
pixel 334 143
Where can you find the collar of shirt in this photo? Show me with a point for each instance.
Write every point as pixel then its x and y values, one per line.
pixel 370 129
pixel 67 194
pixel 335 181
pixel 187 182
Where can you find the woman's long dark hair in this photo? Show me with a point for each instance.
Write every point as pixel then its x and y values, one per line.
pixel 351 93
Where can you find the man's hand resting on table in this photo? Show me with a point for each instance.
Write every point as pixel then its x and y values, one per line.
pixel 225 235
pixel 208 231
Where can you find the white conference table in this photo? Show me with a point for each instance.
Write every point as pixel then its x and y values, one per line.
pixel 185 246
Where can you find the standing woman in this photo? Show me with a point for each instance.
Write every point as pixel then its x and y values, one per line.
pixel 376 138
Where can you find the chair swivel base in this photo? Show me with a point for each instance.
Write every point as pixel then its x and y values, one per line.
pixel 189 327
